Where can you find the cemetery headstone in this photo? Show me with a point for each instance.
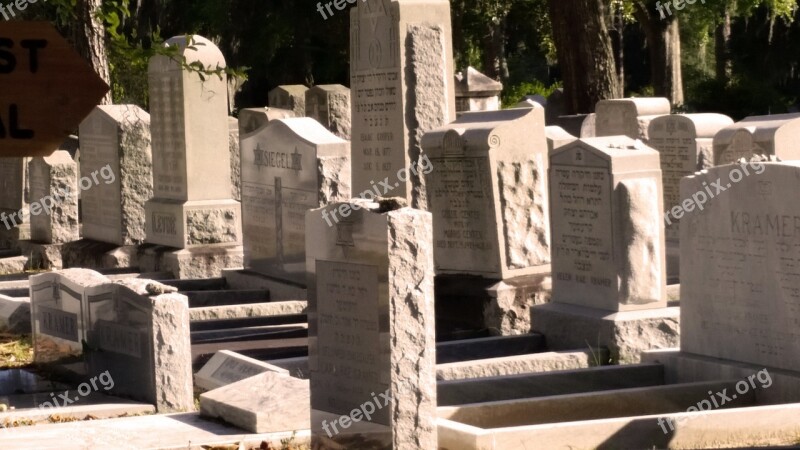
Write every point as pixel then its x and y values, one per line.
pixel 54 199
pixel 251 119
pixel 684 144
pixel 557 137
pixel 227 367
pixel 489 195
pixel 740 270
pixel 329 104
pixel 57 315
pixel 401 64
pixel 774 135
pixel 606 212
pixel 476 92
pixel 13 198
pixel 628 116
pixel 236 161
pixel 371 326
pixel 291 97
pixel 288 166
pixel 138 331
pixel 192 205
pixel 115 151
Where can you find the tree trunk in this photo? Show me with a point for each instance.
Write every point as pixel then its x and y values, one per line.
pixel 495 65
pixel 722 41
pixel 664 45
pixel 584 52
pixel 89 38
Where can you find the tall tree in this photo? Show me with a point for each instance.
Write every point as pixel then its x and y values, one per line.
pixel 664 45
pixel 89 36
pixel 584 52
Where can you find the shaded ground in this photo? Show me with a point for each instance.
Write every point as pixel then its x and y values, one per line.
pixel 15 350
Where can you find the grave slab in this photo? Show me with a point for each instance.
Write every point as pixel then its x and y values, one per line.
pixel 629 116
pixel 290 97
pixel 227 367
pixel 266 403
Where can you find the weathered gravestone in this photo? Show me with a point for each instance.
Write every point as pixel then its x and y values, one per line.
pixel 116 138
pixel 58 319
pixel 192 206
pixel 227 367
pixel 54 199
pixel 371 328
pixel 401 64
pixel 774 135
pixel 557 137
pixel 488 193
pixel 476 92
pixel 608 243
pixel 329 104
pixel 740 266
pixel 251 119
pixel 684 144
pixel 138 331
pixel 13 198
pixel 291 97
pixel 607 249
pixel 236 162
pixel 628 116
pixel 288 167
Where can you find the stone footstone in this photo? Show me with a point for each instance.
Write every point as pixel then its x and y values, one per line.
pixel 227 367
pixel 476 92
pixel 54 199
pixel 626 334
pixel 266 403
pixel 329 104
pixel 291 97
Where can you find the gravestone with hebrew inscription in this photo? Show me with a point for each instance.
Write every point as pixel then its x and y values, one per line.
pixel 488 194
pixel 288 167
pixel 606 212
pixel 608 267
pixel 371 327
pixel 401 69
pixel 291 97
pixel 115 150
pixel 740 267
pixel 329 104
pixel 192 207
pixel 628 116
pixel 774 135
pixel 684 144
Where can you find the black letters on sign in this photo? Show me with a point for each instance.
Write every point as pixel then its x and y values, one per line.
pixel 7 59
pixel 14 131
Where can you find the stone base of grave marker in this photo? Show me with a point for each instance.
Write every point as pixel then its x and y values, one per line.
pixel 503 307
pixel 91 254
pixel 682 367
pixel 202 262
pixel 194 223
pixel 11 235
pixel 626 334
pixel 42 256
pixel 278 289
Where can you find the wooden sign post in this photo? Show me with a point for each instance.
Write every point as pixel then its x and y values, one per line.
pixel 46 89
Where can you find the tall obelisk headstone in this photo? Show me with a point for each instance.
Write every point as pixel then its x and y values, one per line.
pixel 401 80
pixel 192 206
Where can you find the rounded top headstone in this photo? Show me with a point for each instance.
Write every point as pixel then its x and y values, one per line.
pixel 196 48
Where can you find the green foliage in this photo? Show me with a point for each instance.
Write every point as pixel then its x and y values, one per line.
pixel 514 94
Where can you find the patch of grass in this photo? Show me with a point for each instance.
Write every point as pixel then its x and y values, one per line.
pixel 15 350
